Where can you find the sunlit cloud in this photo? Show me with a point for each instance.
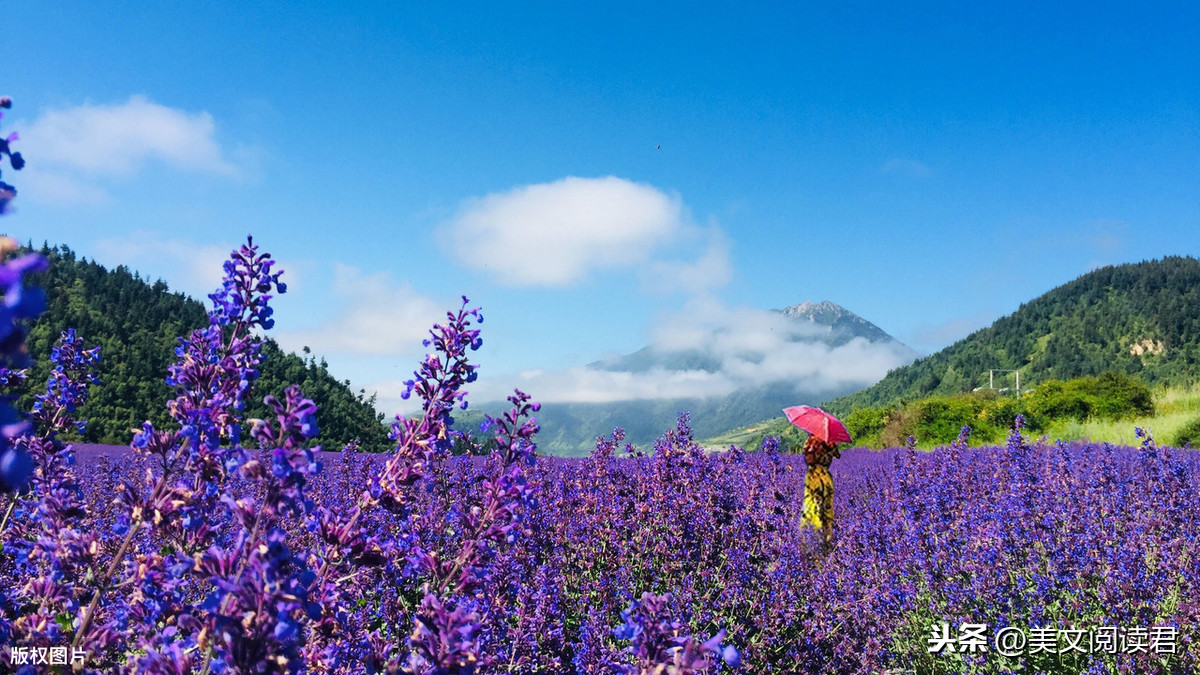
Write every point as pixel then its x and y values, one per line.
pixel 712 269
pixel 73 152
pixel 376 317
pixel 557 234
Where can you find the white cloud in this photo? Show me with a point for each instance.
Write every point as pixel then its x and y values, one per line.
pixel 589 385
pixel 555 234
pixel 70 151
pixel 377 317
pixel 755 347
pixel 122 137
pixel 194 268
pixel 711 270
pixel 711 326
pixel 558 233
pixel 60 188
pixel 748 348
pixel 810 366
pixel 576 385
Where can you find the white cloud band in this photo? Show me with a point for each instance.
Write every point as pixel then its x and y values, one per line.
pixel 554 234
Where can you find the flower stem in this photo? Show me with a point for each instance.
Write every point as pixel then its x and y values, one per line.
pixel 118 558
pixel 8 512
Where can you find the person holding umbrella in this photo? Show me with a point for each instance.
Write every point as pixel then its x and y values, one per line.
pixel 821 448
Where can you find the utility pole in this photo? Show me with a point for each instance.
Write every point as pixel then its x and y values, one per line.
pixel 992 378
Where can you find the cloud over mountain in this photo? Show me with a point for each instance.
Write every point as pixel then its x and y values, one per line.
pixel 710 350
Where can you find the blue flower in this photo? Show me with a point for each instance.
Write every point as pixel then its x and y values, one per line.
pixel 731 657
pixel 15 468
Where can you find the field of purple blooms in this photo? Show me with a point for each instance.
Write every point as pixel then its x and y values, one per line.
pixel 229 545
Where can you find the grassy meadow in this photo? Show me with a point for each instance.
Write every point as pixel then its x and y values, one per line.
pixel 1175 408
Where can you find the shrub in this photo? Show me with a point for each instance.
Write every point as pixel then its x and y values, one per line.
pixel 997 416
pixel 901 423
pixel 1118 396
pixel 1110 396
pixel 1189 435
pixel 866 424
pixel 1056 399
pixel 940 419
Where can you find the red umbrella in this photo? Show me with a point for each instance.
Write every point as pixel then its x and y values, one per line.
pixel 818 423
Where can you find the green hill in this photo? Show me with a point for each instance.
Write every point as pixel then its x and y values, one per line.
pixel 1141 320
pixel 136 323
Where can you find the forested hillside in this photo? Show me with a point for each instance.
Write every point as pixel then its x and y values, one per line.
pixel 1141 319
pixel 136 323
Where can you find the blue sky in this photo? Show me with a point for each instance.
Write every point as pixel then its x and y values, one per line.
pixel 928 166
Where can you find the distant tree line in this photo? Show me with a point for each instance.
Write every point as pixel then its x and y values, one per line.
pixel 136 323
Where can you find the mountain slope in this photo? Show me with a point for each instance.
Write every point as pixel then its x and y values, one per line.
pixel 812 331
pixel 136 324
pixel 1141 319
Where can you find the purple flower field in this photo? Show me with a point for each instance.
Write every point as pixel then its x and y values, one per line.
pixel 228 545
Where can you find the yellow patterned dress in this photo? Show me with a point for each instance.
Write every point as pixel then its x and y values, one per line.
pixel 818 485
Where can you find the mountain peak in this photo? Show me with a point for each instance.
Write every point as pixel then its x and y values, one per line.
pixel 839 320
pixel 815 310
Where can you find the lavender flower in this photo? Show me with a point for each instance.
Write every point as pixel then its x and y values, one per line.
pixel 658 643
pixel 197 554
pixel 15 160
pixel 49 534
pixel 18 303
